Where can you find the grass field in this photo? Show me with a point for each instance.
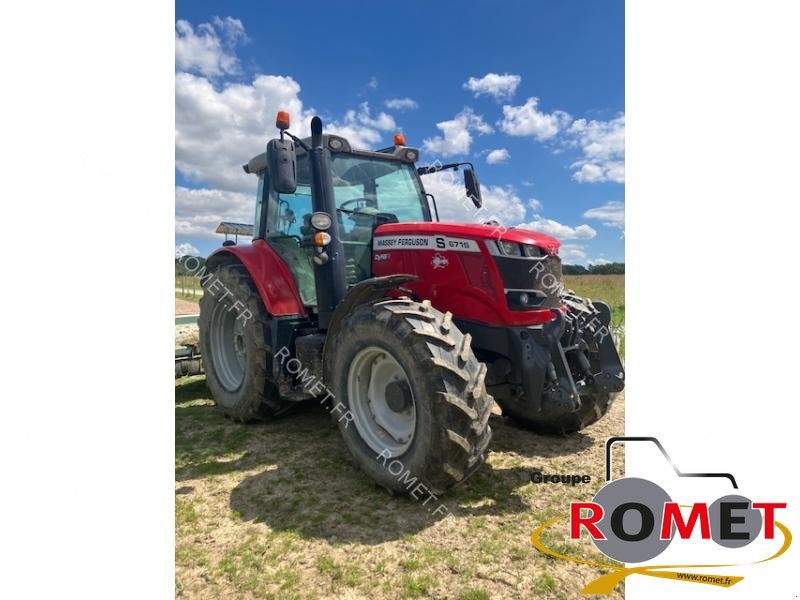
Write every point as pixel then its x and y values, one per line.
pixel 277 510
pixel 609 289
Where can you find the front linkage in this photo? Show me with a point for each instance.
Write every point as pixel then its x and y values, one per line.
pixel 568 370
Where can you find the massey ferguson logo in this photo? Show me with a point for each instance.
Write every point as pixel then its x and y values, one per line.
pixel 424 243
pixel 439 262
pixel 633 520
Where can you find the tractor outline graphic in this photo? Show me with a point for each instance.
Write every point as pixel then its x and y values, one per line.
pixel 614 439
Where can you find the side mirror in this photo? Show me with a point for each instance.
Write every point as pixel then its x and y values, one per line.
pixel 282 164
pixel 473 187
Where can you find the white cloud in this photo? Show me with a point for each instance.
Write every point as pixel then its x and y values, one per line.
pixel 361 128
pixel 499 155
pixel 603 146
pixel 534 204
pixel 602 143
pixel 573 254
pixel 217 131
pixel 528 120
pixel 199 211
pixel 382 121
pixel 372 83
pixel 359 137
pixel 500 87
pixel 559 230
pixel 611 214
pixel 457 137
pixel 209 50
pixel 576 254
pixel 401 104
pixel 499 203
pixel 588 173
pixel 219 128
pixel 185 249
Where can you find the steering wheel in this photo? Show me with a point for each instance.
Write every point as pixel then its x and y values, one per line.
pixel 349 202
pixel 287 236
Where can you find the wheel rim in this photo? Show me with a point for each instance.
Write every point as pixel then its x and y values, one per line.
pixel 228 348
pixel 381 401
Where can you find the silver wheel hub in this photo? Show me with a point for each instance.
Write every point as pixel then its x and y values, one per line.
pixel 228 349
pixel 381 401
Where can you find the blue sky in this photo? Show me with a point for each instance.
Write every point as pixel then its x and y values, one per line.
pixel 532 93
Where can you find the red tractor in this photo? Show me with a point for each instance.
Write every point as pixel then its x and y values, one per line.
pixel 352 293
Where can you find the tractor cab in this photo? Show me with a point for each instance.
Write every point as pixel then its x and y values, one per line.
pixel 370 188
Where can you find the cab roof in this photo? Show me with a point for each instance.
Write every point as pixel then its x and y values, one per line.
pixel 338 144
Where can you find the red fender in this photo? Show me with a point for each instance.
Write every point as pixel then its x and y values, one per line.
pixel 271 276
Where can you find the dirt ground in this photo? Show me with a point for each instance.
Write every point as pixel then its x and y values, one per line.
pixel 184 307
pixel 278 511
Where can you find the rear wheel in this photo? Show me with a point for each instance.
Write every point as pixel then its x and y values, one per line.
pixel 592 409
pixel 410 397
pixel 235 353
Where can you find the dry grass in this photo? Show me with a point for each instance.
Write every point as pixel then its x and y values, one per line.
pixel 277 511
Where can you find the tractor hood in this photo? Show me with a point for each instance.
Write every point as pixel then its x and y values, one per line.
pixel 475 231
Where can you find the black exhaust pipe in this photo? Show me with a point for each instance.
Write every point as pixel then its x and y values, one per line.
pixel 329 277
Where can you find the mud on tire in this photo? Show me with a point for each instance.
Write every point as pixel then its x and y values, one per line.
pixel 233 345
pixel 452 405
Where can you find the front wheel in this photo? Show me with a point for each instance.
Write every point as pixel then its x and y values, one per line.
pixel 593 407
pixel 410 397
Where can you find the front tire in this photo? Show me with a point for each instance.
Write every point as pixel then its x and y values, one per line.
pixel 235 353
pixel 410 397
pixel 592 409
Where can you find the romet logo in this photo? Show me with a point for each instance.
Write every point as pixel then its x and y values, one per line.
pixel 633 520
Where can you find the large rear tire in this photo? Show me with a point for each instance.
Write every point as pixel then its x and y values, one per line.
pixel 410 397
pixel 592 409
pixel 235 353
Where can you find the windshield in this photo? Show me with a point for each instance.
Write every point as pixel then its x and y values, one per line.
pixel 373 185
pixel 367 191
pixel 363 187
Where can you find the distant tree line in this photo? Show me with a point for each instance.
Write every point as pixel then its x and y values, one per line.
pixel 607 269
pixel 195 264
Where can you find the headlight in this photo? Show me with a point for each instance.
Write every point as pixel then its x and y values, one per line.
pixel 321 221
pixel 524 299
pixel 532 251
pixel 510 248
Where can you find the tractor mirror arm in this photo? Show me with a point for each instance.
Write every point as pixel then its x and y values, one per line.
pixel 297 140
pixel 437 168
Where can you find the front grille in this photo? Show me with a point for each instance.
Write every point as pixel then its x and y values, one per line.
pixel 541 276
